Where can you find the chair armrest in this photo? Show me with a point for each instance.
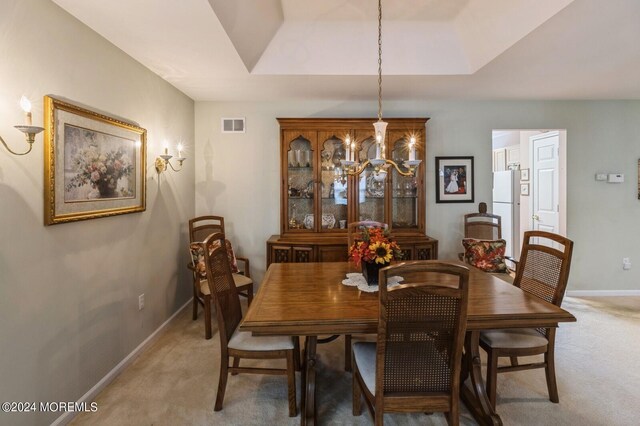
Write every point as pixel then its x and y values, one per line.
pixel 515 263
pixel 246 271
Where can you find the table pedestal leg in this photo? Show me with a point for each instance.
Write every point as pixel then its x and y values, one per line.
pixel 475 397
pixel 308 404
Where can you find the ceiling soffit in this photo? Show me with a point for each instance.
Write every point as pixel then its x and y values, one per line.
pixel 339 37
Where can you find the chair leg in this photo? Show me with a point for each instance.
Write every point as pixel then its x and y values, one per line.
pixel 250 295
pixel 356 397
pixel 195 304
pixel 550 371
pixel 207 316
pixel 296 353
pixel 347 352
pixel 236 364
pixel 514 360
pixel 379 415
pixel 492 376
pixel 453 418
pixel 222 382
pixel 291 383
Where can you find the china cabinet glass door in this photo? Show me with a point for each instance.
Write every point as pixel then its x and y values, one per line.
pixel 404 197
pixel 333 188
pixel 300 183
pixel 371 190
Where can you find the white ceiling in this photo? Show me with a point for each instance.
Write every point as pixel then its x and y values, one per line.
pixel 432 49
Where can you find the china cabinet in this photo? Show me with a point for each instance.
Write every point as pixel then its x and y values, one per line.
pixel 318 200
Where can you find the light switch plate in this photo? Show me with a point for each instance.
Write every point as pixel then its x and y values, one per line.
pixel 601 177
pixel 615 178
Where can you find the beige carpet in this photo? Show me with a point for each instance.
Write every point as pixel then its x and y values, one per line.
pixel 174 382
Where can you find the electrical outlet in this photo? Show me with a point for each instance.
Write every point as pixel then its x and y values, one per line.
pixel 141 302
pixel 626 263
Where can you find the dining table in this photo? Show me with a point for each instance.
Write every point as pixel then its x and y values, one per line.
pixel 310 301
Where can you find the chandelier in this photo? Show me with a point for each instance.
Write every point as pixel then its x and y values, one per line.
pixel 380 163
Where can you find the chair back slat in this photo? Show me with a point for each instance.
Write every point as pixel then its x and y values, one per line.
pixel 202 226
pixel 421 328
pixel 222 287
pixel 483 225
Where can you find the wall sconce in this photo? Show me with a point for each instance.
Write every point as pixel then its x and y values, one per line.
pixel 162 161
pixel 29 131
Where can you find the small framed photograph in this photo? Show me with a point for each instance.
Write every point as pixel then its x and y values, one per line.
pixel 524 175
pixel 524 189
pixel 454 180
pixel 95 165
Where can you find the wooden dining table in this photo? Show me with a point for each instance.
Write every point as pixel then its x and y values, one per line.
pixel 309 300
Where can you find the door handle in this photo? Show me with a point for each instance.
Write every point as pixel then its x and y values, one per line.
pixel 536 217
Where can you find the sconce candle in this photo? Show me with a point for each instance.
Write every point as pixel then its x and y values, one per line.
pixel 25 104
pixel 353 151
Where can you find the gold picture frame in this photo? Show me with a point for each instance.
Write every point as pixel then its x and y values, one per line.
pixel 95 165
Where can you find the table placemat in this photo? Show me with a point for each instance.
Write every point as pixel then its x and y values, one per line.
pixel 356 279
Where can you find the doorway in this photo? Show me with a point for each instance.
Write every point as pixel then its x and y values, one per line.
pixel 531 165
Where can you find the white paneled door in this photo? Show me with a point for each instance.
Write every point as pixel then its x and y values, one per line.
pixel 545 182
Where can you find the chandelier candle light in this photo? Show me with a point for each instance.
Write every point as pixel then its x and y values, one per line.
pixel 350 165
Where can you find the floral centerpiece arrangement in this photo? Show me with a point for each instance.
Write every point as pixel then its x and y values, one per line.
pixel 101 171
pixel 373 250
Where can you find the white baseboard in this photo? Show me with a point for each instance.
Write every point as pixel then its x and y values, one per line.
pixel 111 375
pixel 602 293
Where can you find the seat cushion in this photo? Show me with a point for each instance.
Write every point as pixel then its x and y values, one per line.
pixel 238 279
pixel 364 354
pixel 517 338
pixel 487 255
pixel 241 280
pixel 197 256
pixel 244 341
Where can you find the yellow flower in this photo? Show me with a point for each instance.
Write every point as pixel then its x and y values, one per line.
pixel 382 251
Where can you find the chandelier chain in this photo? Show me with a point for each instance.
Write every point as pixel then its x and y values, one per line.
pixel 379 60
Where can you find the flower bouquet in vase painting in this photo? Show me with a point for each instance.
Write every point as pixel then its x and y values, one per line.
pixel 101 171
pixel 373 250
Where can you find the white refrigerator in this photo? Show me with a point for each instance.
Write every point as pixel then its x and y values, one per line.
pixel 506 204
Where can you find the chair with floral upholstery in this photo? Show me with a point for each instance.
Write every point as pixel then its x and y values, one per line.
pixel 483 245
pixel 200 228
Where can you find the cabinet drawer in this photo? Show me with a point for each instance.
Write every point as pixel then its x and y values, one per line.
pixel 332 253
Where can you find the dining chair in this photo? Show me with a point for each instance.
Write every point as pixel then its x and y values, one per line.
pixel 487 228
pixel 242 344
pixel 543 272
pixel 414 366
pixel 199 228
pixel 482 226
pixel 353 229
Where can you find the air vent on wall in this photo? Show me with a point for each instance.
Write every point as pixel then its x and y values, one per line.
pixel 233 125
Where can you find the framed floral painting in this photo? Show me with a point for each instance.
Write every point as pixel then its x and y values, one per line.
pixel 454 180
pixel 95 165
